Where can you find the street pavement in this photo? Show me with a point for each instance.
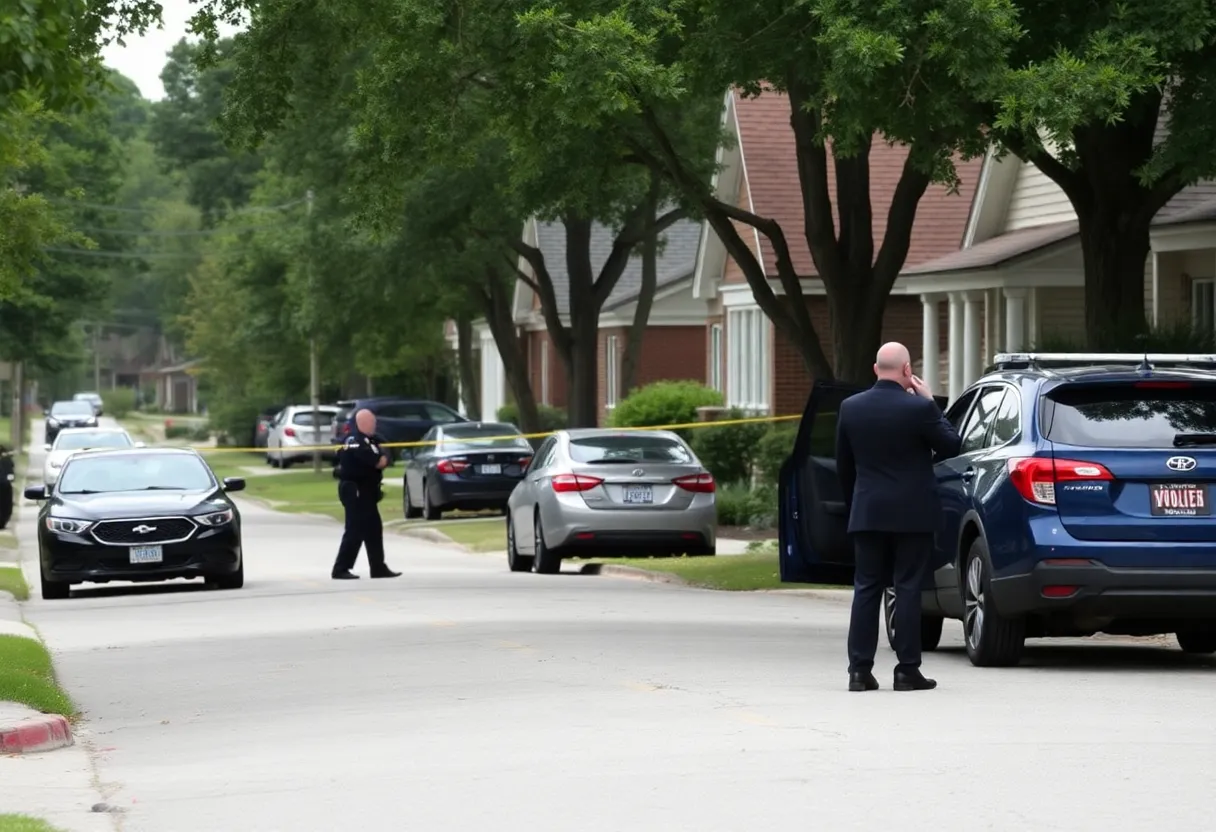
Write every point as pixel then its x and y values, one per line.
pixel 464 697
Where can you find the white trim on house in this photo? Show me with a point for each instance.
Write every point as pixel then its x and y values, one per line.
pixel 492 375
pixel 544 371
pixel 748 361
pixel 612 381
pixel 1203 303
pixel 521 297
pixel 1183 237
pixel 716 376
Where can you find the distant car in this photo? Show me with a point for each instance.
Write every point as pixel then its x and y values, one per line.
pixel 261 430
pixel 73 414
pixel 138 514
pixel 397 419
pixel 70 440
pixel 8 475
pixel 618 492
pixel 93 399
pixel 472 466
pixel 293 431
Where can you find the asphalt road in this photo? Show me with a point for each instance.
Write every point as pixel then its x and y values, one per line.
pixel 463 697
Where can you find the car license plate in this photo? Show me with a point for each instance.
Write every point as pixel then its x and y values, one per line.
pixel 1179 500
pixel 639 494
pixel 147 554
pixel 491 469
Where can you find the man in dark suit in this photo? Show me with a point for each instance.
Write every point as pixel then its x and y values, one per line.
pixel 886 438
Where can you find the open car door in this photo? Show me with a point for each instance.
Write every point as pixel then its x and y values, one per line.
pixel 812 523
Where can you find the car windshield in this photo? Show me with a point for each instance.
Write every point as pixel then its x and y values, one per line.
pixel 92 439
pixel 304 418
pixel 628 448
pixel 71 409
pixel 482 437
pixel 135 472
pixel 1138 415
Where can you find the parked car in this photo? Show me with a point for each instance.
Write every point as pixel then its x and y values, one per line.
pixel 93 399
pixel 65 414
pixel 605 491
pixel 8 476
pixel 138 514
pixel 397 419
pixel 71 440
pixel 471 466
pixel 294 432
pixel 266 417
pixel 1080 503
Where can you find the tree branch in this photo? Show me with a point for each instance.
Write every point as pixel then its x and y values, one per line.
pixel 812 160
pixel 1033 151
pixel 548 297
pixel 901 216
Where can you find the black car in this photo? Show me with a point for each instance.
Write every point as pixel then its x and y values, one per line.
pixel 471 466
pixel 8 474
pixel 137 514
pixel 75 414
pixel 397 419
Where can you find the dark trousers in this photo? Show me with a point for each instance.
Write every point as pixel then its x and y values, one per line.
pixel 363 527
pixel 887 559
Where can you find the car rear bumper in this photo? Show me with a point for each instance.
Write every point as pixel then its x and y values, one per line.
pixel 452 490
pixel 64 560
pixel 654 531
pixel 1096 590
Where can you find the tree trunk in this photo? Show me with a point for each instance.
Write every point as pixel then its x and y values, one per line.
pixel 469 389
pixel 496 298
pixel 856 322
pixel 1114 250
pixel 650 280
pixel 582 372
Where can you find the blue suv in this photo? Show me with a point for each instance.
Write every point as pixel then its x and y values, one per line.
pixel 1079 503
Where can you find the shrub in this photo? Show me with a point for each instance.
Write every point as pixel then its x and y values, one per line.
pixel 741 505
pixel 773 449
pixel 1181 337
pixel 664 403
pixel 729 451
pixel 551 418
pixel 118 402
pixel 177 430
pixel 201 433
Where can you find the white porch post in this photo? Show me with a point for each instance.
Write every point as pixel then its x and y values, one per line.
pixel 972 330
pixel 931 341
pixel 493 375
pixel 1015 319
pixel 1032 319
pixel 956 345
pixel 1156 314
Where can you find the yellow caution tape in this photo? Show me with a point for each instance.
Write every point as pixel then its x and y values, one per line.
pixel 687 425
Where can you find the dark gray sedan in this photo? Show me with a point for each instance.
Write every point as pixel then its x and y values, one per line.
pixel 469 466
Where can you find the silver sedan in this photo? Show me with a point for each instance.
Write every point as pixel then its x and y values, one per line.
pixel 610 493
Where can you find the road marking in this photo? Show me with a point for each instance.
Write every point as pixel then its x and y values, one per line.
pixel 515 645
pixel 364 599
pixel 642 687
pixel 443 623
pixel 752 718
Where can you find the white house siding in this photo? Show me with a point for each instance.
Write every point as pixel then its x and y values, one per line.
pixel 1036 200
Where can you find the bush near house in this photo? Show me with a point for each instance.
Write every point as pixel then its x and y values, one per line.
pixel 193 432
pixel 1173 337
pixel 729 451
pixel 664 403
pixel 739 504
pixel 774 448
pixel 551 418
pixel 118 402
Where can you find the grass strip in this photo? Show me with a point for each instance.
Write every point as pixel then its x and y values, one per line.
pixel 25 823
pixel 730 573
pixel 13 582
pixel 28 677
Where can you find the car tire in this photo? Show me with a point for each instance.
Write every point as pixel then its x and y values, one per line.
pixel 545 561
pixel 515 561
pixel 286 463
pixel 407 507
pixel 234 580
pixel 1197 640
pixel 930 625
pixel 55 590
pixel 429 512
pixel 992 639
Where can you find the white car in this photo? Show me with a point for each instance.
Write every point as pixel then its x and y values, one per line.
pixel 292 434
pixel 71 440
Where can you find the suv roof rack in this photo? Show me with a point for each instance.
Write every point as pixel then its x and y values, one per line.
pixel 1059 360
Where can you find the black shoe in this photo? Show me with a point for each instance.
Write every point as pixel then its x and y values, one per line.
pixel 386 573
pixel 345 576
pixel 859 682
pixel 913 680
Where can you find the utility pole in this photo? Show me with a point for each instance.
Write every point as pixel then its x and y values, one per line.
pixel 18 414
pixel 96 357
pixel 314 360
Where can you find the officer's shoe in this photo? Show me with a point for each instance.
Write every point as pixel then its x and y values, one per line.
pixel 345 576
pixel 385 573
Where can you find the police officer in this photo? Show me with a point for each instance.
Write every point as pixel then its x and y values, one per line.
pixel 360 465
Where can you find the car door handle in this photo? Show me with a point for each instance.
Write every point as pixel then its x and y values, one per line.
pixel 968 474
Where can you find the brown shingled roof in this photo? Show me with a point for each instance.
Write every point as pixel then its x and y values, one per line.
pixel 767 142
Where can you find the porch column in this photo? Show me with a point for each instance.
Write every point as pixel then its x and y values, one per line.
pixel 931 341
pixel 1015 319
pixel 973 350
pixel 955 344
pixel 1032 319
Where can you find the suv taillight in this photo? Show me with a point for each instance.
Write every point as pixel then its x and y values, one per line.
pixel 1035 477
pixel 699 483
pixel 574 482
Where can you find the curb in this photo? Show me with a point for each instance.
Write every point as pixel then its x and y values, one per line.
pixel 45 732
pixel 617 571
pixel 429 535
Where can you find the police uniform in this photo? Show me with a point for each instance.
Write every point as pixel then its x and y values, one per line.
pixel 359 489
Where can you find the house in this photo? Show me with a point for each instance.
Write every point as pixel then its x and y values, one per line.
pixel 173 381
pixel 673 346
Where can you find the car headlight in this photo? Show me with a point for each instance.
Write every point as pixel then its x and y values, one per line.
pixel 216 518
pixel 67 526
pixel 52 423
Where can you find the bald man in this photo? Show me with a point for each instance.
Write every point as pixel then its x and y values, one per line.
pixel 887 439
pixel 361 464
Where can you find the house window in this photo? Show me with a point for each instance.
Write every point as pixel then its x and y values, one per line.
pixel 747 359
pixel 715 356
pixel 1203 304
pixel 544 372
pixel 611 381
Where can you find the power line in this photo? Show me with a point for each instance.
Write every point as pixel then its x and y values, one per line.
pixel 124 232
pixel 119 209
pixel 132 255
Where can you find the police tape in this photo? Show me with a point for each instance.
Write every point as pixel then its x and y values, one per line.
pixel 750 420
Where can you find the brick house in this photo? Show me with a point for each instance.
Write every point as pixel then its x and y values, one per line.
pixel 673 346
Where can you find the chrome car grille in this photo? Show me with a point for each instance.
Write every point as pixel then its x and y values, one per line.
pixel 140 530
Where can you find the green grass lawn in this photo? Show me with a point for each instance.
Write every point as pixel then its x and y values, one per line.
pixel 26 676
pixel 13 582
pixel 24 823
pixel 732 573
pixel 488 535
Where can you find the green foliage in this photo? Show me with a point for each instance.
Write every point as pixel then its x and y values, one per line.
pixel 740 504
pixel 27 677
pixel 551 418
pixel 729 451
pixel 774 448
pixel 178 430
pixel 664 403
pixel 1179 337
pixel 118 402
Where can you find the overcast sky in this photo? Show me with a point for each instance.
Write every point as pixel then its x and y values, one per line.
pixel 142 58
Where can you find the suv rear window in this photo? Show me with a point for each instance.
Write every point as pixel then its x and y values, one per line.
pixel 304 417
pixel 1137 415
pixel 628 449
pixel 400 410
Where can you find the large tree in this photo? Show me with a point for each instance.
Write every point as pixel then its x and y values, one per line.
pixel 1084 103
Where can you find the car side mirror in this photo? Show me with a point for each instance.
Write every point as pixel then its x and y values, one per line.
pixel 234 483
pixel 46 446
pixel 37 493
pixel 141 444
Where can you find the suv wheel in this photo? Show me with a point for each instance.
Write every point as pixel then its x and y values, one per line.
pixel 992 640
pixel 930 625
pixel 1199 640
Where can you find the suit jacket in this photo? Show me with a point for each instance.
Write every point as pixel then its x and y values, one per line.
pixel 885 442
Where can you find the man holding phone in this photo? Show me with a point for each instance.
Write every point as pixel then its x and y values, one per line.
pixel 886 441
pixel 360 472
